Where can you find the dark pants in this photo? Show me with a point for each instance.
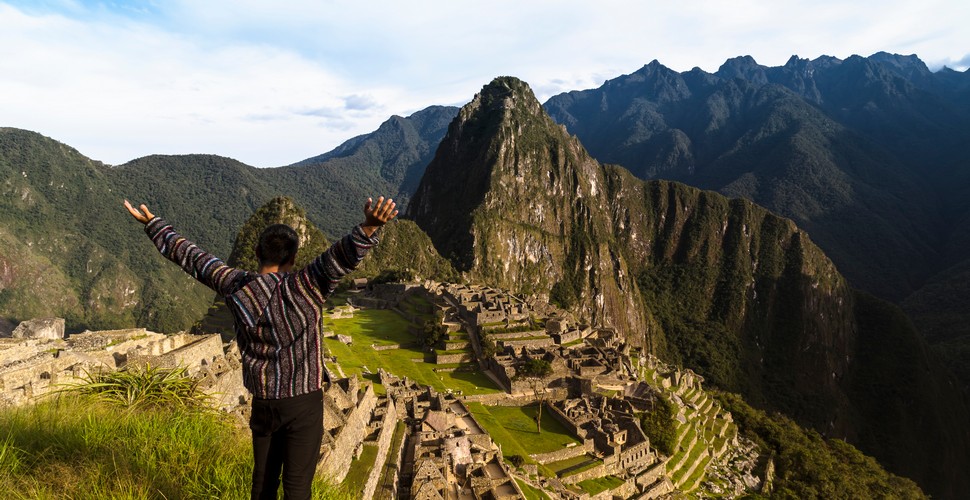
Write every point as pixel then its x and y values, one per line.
pixel 286 437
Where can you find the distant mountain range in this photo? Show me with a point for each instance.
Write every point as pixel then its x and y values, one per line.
pixel 862 154
pixel 868 155
pixel 68 248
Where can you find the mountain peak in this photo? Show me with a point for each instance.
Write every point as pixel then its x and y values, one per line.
pixel 504 94
pixel 744 67
pixel 492 138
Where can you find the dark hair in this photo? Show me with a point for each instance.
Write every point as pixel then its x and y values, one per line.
pixel 277 245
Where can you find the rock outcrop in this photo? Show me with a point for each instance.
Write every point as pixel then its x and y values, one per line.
pixel 43 328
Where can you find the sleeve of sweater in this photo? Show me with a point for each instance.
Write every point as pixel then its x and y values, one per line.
pixel 205 267
pixel 341 258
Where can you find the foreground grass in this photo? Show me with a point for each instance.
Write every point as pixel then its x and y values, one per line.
pixel 83 447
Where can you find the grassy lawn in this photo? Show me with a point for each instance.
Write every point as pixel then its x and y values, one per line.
pixel 383 327
pixel 441 352
pixel 513 429
pixel 518 428
pixel 594 486
pixel 568 463
pixel 530 492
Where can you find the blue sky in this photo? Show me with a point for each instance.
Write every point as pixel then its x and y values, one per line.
pixel 272 83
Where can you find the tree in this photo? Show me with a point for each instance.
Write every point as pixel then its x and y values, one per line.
pixel 535 371
pixel 434 330
pixel 487 344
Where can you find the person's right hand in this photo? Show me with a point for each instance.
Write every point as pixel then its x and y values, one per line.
pixel 141 214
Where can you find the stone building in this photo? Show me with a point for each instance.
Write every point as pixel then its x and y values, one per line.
pixel 613 426
pixel 450 455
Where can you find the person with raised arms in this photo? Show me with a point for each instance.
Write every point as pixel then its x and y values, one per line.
pixel 277 313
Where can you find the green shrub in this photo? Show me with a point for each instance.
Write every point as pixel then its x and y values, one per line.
pixel 660 425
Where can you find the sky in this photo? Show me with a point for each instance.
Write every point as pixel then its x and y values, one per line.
pixel 272 83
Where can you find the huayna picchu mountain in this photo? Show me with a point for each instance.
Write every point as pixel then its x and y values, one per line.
pixel 721 285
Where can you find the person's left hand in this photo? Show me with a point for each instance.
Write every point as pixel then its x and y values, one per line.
pixel 377 214
pixel 141 214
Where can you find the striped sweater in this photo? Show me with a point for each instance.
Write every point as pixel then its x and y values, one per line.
pixel 277 315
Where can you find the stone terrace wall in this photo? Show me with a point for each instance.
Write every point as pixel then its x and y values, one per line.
pixel 565 453
pixel 518 335
pixel 504 399
pixel 336 462
pixel 565 421
pixel 652 474
pixel 193 352
pixel 388 423
pixel 594 472
pixel 462 357
pixel 519 344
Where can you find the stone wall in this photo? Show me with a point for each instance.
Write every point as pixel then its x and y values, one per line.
pixel 594 472
pixel 504 399
pixel 516 335
pixel 24 381
pixel 336 461
pixel 183 350
pixel 565 453
pixel 519 344
pixel 370 302
pixel 388 423
pixel 461 357
pixel 454 345
pixel 566 422
pixel 652 474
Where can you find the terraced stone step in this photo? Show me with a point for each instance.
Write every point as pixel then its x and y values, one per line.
pixel 721 428
pixel 706 405
pixel 683 453
pixel 693 480
pixel 690 465
pixel 682 432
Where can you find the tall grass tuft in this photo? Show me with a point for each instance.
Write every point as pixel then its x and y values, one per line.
pixel 144 387
pixel 164 445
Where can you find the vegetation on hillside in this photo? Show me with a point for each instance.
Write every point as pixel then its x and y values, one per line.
pixel 810 467
pixel 279 210
pixel 79 255
pixel 660 425
pixel 406 249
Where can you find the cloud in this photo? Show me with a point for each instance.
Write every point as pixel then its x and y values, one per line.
pixel 360 103
pixel 271 83
pixel 111 89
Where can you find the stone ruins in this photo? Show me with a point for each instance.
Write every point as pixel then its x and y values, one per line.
pixel 428 445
